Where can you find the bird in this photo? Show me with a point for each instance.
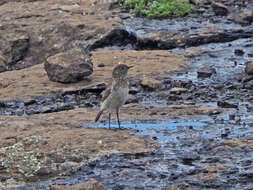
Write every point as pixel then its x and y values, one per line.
pixel 116 94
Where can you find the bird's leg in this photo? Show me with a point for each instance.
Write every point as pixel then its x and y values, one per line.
pixel 117 113
pixel 109 120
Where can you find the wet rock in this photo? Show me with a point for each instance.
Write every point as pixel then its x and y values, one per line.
pixel 92 184
pixel 226 104
pixel 71 66
pixel 239 52
pixel 151 84
pixel 220 9
pixel 249 67
pixel 205 72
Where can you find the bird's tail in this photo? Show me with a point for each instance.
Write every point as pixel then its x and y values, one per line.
pixel 98 115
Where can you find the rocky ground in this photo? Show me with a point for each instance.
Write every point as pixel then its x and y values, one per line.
pixel 202 86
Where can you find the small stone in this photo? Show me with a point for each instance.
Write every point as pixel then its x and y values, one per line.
pixel 232 117
pixel 225 104
pixel 205 72
pixel 239 52
pixel 243 18
pixel 196 2
pixel 92 184
pixel 101 65
pixel 188 157
pixel 250 54
pixel 67 67
pixel 249 67
pixel 220 9
pixel 42 172
pixel 176 90
pixel 132 99
pixel 151 83
pixel 134 90
pixel 68 166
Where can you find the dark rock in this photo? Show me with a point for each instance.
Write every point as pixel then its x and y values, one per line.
pixel 246 162
pixel 250 54
pixel 205 72
pixel 43 172
pixel 247 78
pixel 14 46
pixel 71 66
pixel 225 104
pixel 101 65
pixel 174 97
pixel 249 85
pixel 118 36
pixel 231 116
pixel 249 67
pixel 246 174
pixel 188 157
pixel 239 52
pixel 220 9
pixel 134 90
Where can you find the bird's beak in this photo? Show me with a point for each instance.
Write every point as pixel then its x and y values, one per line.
pixel 129 67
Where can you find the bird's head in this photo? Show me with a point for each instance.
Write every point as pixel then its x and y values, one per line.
pixel 120 71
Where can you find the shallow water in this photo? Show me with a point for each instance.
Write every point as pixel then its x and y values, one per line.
pixel 184 143
pixel 220 56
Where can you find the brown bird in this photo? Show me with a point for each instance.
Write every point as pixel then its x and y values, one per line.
pixel 115 95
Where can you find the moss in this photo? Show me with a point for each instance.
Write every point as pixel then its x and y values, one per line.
pixel 158 8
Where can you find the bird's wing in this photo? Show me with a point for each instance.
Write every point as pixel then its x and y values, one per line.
pixel 107 92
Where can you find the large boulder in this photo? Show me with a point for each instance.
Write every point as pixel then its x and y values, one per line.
pixel 67 67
